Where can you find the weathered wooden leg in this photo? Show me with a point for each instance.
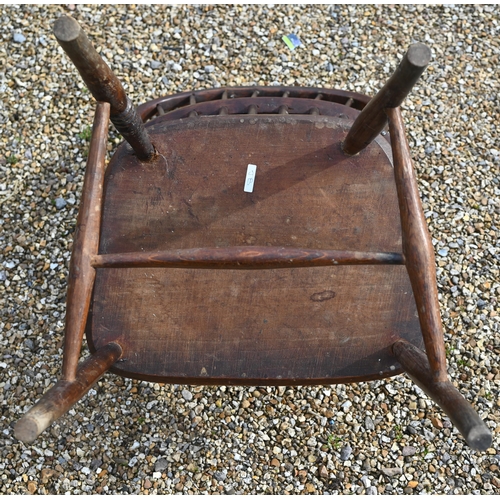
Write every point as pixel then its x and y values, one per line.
pixel 445 395
pixel 64 394
pixel 417 248
pixel 85 244
pixel 104 85
pixel 372 120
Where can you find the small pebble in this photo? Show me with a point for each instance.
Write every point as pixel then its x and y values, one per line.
pixel 60 203
pixel 161 464
pixel 392 471
pixel 187 395
pixel 345 453
pixel 366 482
pixel 323 472
pixel 369 425
pixel 409 451
pixel 19 38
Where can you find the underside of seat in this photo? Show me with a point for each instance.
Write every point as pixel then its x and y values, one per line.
pixel 268 326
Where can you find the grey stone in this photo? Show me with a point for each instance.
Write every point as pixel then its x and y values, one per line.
pixel 392 471
pixel 430 436
pixel 19 38
pixel 161 464
pixel 220 476
pixel 409 451
pixel 345 453
pixel 369 425
pixel 187 395
pixel 60 203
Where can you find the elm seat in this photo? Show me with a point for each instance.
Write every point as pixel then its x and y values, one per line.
pixel 265 326
pixel 322 272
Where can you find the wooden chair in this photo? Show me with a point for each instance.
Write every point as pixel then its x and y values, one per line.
pixel 192 266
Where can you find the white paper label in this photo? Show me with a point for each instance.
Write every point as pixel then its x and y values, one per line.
pixel 250 178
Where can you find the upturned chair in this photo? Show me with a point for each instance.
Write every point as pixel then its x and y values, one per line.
pixel 251 236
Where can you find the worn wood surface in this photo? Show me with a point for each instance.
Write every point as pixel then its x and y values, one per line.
pixel 100 80
pixel 103 84
pixel 307 193
pixel 253 257
pixel 269 327
pixel 64 394
pixel 259 105
pixel 417 248
pixel 445 395
pixel 85 244
pixel 372 120
pixel 275 326
pixel 169 103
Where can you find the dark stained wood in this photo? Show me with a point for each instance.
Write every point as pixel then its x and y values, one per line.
pixel 64 394
pixel 445 395
pixel 168 103
pixel 100 80
pixel 274 326
pixel 199 281
pixel 417 248
pixel 260 105
pixel 307 193
pixel 244 258
pixel 85 244
pixel 267 327
pixel 131 127
pixel 373 119
pixel 103 84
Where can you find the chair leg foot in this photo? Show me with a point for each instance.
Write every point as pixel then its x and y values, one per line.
pixel 65 393
pixel 445 395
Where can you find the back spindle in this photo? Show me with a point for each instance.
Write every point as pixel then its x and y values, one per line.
pixel 103 85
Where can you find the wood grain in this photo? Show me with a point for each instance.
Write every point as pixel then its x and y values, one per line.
pixel 244 258
pixel 274 326
pixel 417 248
pixel 267 327
pixel 307 193
pixel 445 395
pixel 372 120
pixel 170 102
pixel 103 85
pixel 64 394
pixel 85 244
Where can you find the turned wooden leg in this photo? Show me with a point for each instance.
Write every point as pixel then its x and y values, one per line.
pixel 417 248
pixel 104 85
pixel 372 120
pixel 63 395
pixel 444 394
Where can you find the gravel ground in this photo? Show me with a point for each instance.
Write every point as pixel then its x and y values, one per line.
pixel 136 437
